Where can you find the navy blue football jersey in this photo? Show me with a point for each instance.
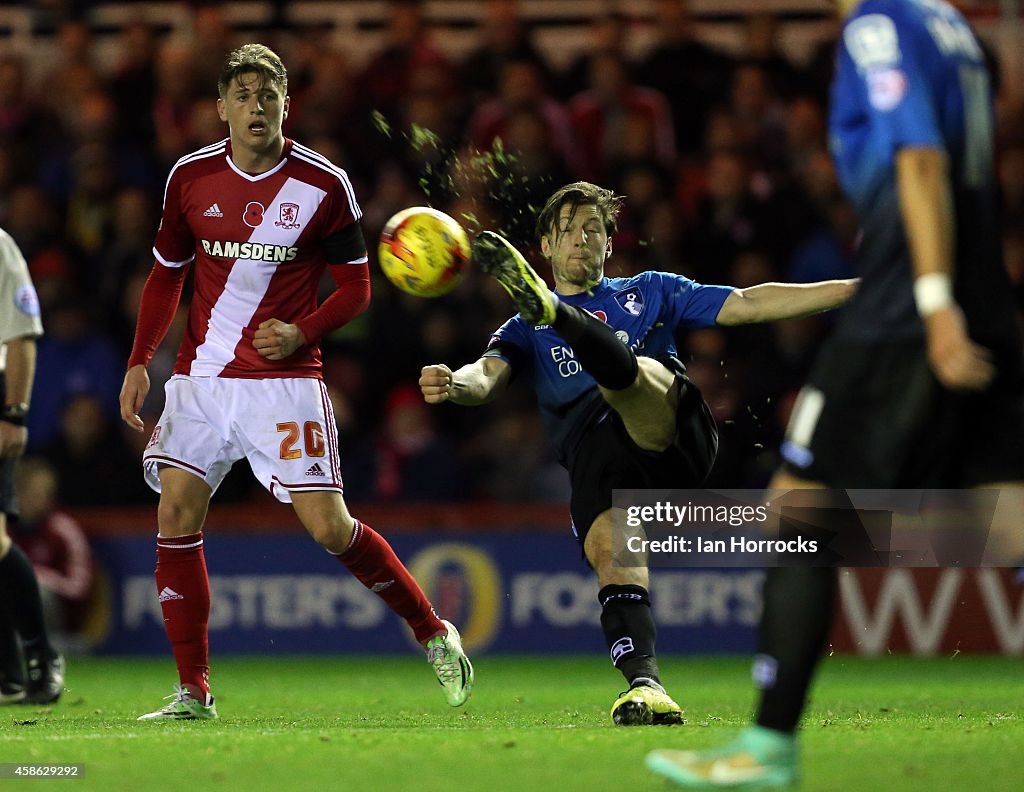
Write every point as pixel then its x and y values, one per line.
pixel 644 311
pixel 910 73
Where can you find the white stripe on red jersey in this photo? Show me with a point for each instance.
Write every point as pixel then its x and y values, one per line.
pixel 247 284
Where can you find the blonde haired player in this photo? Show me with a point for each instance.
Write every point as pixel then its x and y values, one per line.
pixel 259 217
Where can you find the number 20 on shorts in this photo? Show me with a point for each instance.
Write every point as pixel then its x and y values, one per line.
pixel 312 435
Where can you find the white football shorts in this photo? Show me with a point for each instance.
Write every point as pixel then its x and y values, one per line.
pixel 284 427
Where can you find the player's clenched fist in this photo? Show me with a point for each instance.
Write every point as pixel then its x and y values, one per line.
pixel 436 383
pixel 276 340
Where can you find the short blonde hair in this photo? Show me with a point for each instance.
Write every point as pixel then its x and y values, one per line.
pixel 256 59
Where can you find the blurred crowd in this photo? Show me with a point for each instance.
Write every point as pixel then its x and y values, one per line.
pixel 723 161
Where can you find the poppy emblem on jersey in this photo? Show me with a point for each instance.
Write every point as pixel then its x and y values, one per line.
pixel 600 315
pixel 289 214
pixel 253 214
pixel 632 302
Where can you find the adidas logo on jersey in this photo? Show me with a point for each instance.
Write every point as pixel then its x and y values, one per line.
pixel 169 594
pixel 213 211
pixel 315 470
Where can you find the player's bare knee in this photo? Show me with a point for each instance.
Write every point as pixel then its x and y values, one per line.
pixel 326 518
pixel 599 556
pixel 599 548
pixel 333 534
pixel 175 518
pixel 652 381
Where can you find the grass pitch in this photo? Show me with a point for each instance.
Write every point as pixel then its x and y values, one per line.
pixel 368 724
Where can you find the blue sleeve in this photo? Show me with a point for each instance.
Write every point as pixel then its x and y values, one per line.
pixel 893 62
pixel 511 343
pixel 689 303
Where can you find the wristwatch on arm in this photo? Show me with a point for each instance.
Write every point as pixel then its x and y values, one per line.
pixel 14 413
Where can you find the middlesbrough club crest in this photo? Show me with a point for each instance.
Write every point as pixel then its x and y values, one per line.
pixel 289 216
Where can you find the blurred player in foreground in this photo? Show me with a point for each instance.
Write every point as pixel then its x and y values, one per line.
pixel 615 398
pixel 922 382
pixel 21 609
pixel 262 217
pixel 59 551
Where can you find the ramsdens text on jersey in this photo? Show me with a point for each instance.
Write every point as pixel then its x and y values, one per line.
pixel 249 250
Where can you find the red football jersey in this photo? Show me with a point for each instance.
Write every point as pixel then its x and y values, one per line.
pixel 257 242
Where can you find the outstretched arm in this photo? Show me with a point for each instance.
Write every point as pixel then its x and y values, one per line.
pixel 473 384
pixel 770 301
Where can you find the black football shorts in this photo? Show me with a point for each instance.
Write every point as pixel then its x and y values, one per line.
pixel 607 458
pixel 873 415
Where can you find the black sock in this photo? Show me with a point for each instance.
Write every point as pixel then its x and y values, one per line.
pixel 629 630
pixel 799 604
pixel 12 669
pixel 599 351
pixel 19 588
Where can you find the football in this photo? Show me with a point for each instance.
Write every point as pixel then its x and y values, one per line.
pixel 423 251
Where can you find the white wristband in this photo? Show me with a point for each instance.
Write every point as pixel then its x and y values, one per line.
pixel 932 292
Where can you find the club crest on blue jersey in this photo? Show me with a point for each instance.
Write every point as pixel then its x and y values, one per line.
pixel 631 301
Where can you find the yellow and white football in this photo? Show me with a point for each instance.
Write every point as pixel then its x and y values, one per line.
pixel 423 251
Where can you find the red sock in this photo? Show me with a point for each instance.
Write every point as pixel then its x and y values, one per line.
pixel 370 558
pixel 184 591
